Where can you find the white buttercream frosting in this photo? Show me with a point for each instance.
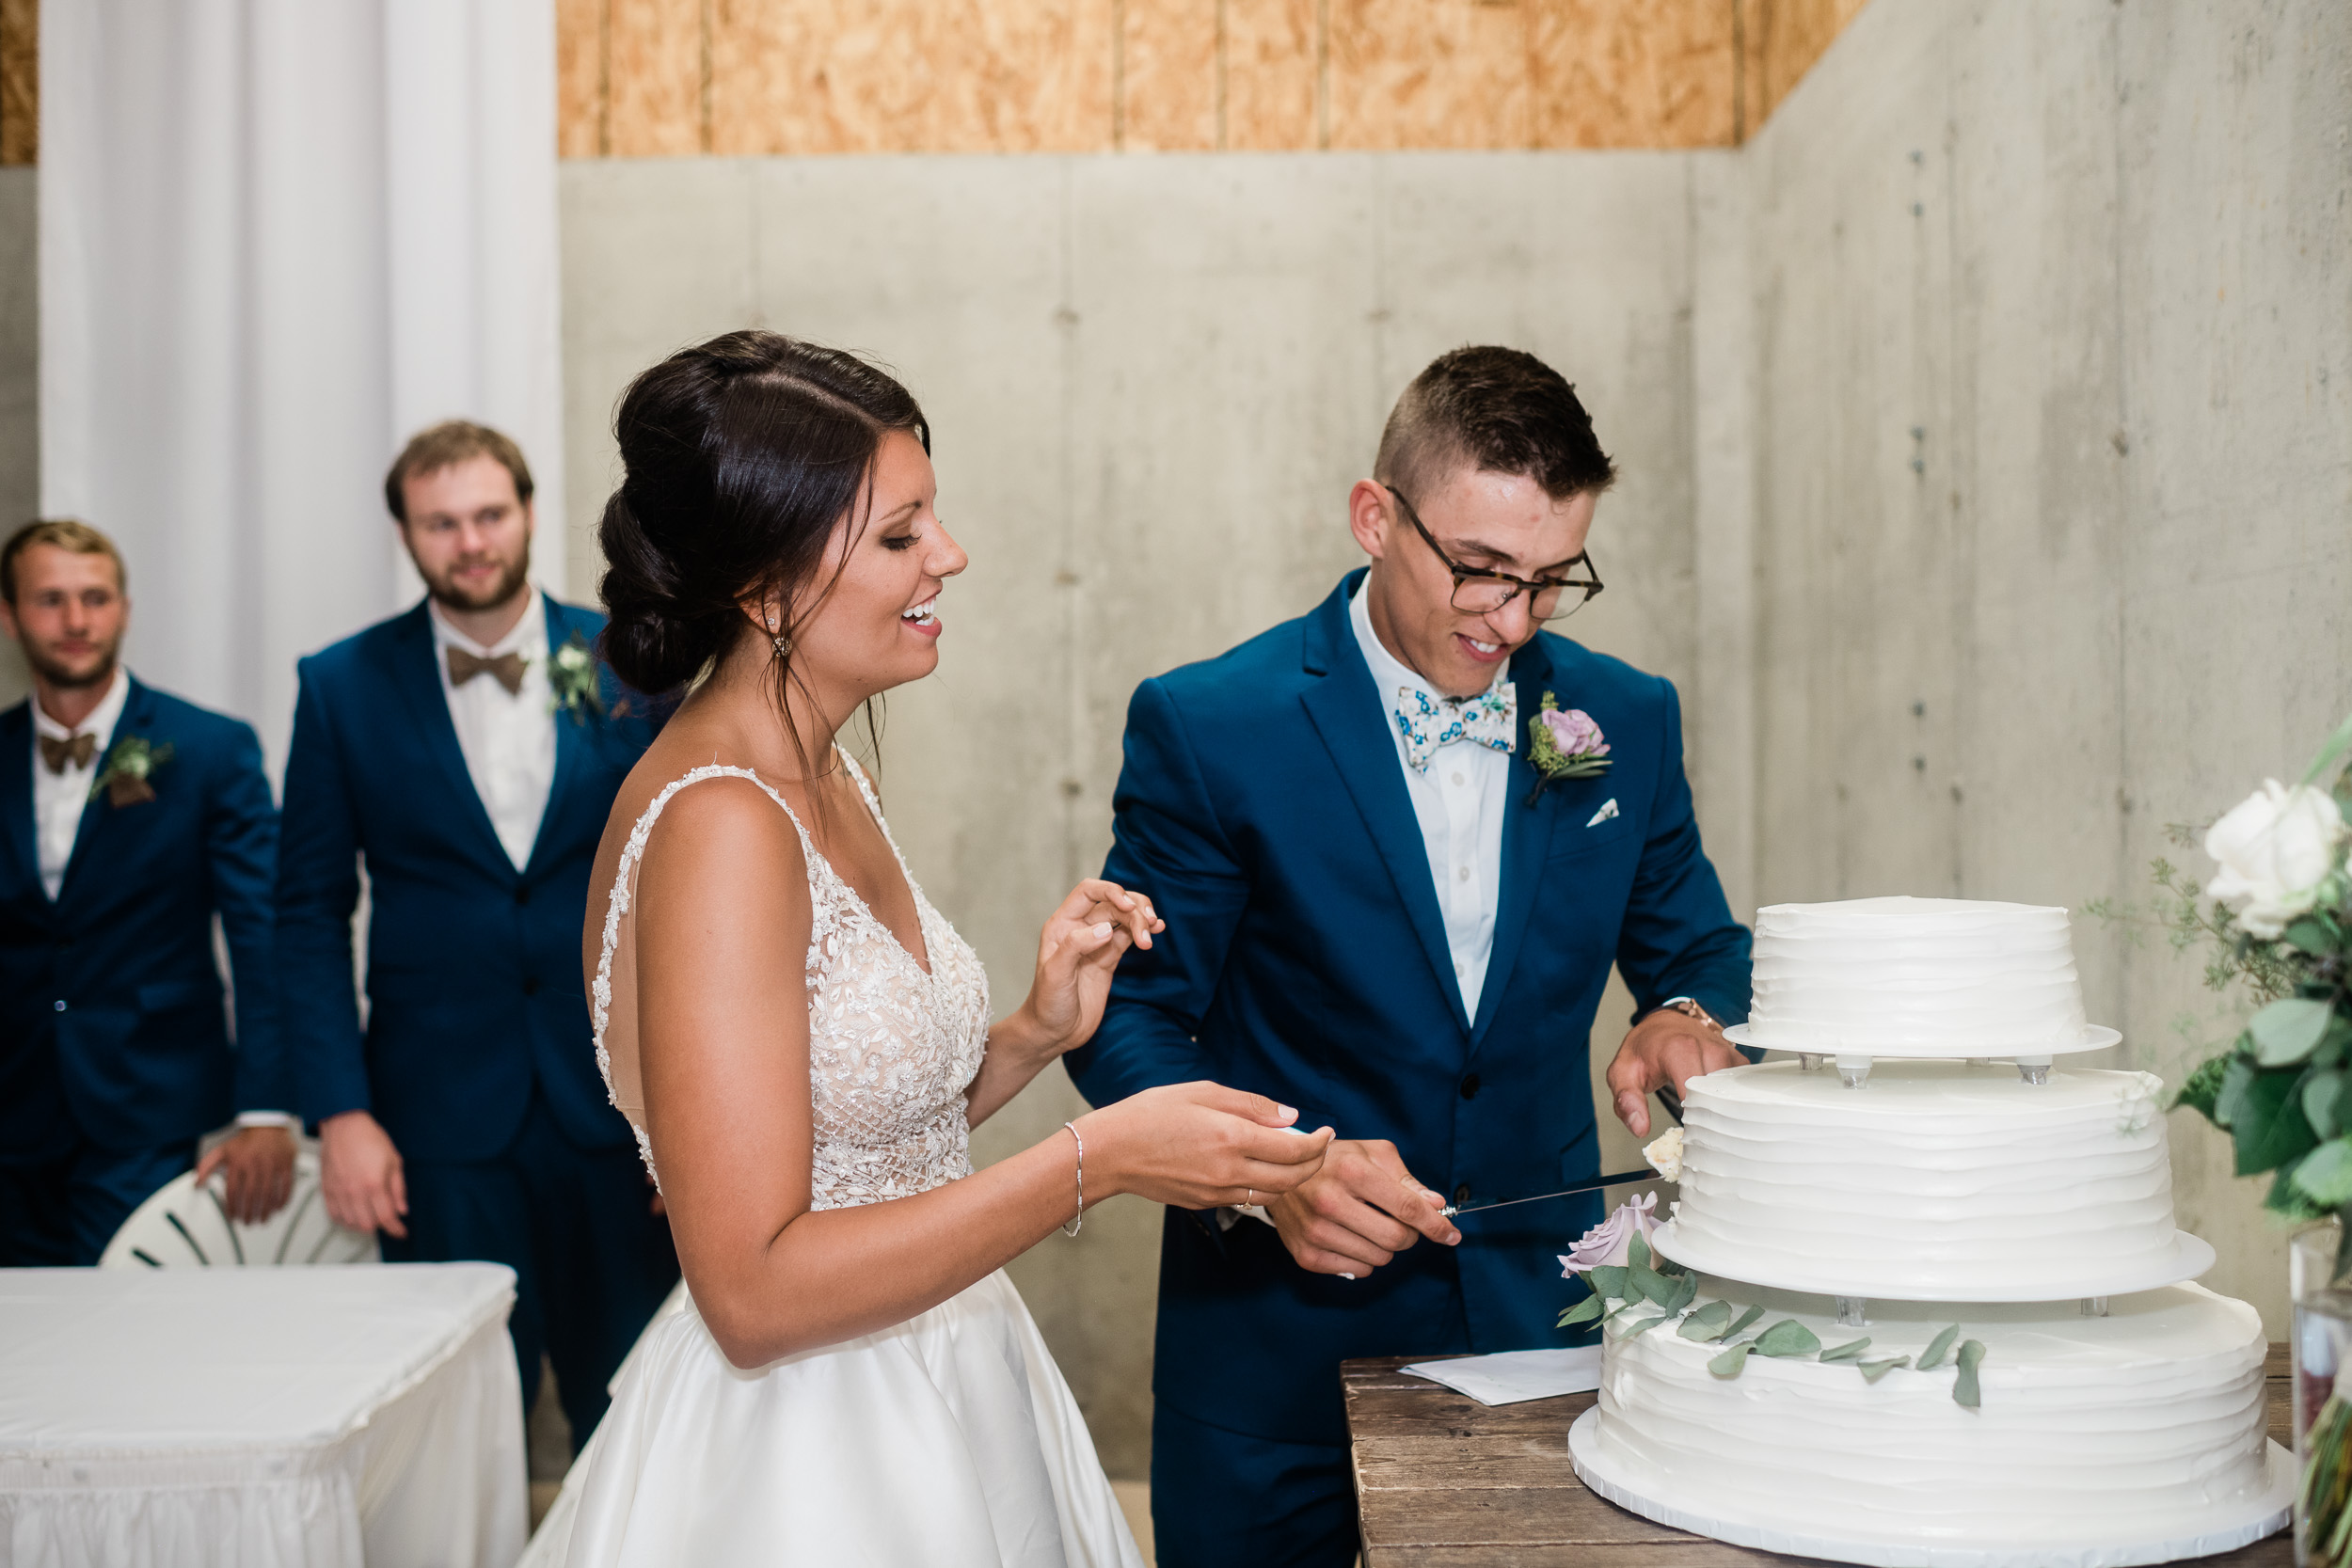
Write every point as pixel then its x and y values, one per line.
pixel 1963 977
pixel 1939 1176
pixel 2088 1430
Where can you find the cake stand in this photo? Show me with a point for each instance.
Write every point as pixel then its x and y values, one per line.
pixel 2240 1521
pixel 1853 1064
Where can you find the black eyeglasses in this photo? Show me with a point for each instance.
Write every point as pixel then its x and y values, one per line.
pixel 1477 593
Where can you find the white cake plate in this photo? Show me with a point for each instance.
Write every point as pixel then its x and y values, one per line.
pixel 2221 1528
pixel 2187 1259
pixel 2094 1037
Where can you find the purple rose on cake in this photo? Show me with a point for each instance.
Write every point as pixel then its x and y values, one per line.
pixel 1609 1241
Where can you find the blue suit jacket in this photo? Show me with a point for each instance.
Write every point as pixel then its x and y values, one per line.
pixel 1262 808
pixel 473 967
pixel 111 1023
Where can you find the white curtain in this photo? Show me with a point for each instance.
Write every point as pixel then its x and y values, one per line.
pixel 276 237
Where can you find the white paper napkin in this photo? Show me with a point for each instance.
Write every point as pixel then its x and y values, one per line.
pixel 1513 1375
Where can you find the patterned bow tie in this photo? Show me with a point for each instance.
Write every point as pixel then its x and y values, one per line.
pixel 508 668
pixel 78 751
pixel 1426 722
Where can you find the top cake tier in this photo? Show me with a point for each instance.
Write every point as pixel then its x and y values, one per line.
pixel 1917 978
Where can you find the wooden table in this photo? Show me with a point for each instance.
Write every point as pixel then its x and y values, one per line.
pixel 1444 1482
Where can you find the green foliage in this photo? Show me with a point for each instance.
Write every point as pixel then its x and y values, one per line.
pixel 2288 1031
pixel 1937 1349
pixel 2323 1092
pixel 1582 1313
pixel 1787 1338
pixel 1745 1317
pixel 1637 1253
pixel 1964 1386
pixel 1850 1350
pixel 1608 1279
pixel 1873 1370
pixel 1707 1322
pixel 2203 1086
pixel 1635 1330
pixel 1733 1361
pixel 2325 1175
pixel 2268 1123
pixel 2289 1201
pixel 1686 1288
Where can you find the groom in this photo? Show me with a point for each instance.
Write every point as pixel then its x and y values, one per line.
pixel 1381 908
pixel 468 752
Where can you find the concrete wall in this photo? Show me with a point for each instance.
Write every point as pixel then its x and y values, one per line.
pixel 2051 315
pixel 20 380
pixel 1152 382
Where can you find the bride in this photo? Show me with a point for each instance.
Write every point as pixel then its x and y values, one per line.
pixel 802 1042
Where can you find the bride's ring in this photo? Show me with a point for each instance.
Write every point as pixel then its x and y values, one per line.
pixel 1249 1197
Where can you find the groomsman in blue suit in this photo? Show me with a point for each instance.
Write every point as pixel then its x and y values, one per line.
pixel 1397 867
pixel 468 752
pixel 132 819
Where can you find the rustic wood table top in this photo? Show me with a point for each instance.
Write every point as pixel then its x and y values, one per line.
pixel 1444 1482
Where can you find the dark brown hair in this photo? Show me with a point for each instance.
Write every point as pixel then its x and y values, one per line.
pixel 1499 410
pixel 432 450
pixel 67 534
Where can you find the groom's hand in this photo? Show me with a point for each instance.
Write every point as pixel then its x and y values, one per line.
pixel 360 1174
pixel 1666 1048
pixel 1358 1211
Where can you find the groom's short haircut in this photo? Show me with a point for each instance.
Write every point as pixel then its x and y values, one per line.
pixel 1499 410
pixel 67 534
pixel 452 442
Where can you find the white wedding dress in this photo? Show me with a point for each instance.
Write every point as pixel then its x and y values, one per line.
pixel 948 1441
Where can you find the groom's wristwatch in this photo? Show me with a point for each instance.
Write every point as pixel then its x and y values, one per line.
pixel 1689 1008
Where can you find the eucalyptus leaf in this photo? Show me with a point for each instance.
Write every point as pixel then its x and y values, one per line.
pixel 1650 1285
pixel 2334 1044
pixel 2323 1096
pixel 1582 1313
pixel 1707 1322
pixel 1873 1370
pixel 2270 1130
pixel 1745 1317
pixel 1686 1288
pixel 1637 1252
pixel 1732 1361
pixel 1622 1309
pixel 2326 1174
pixel 2289 1201
pixel 2236 1079
pixel 1850 1350
pixel 1608 1279
pixel 1937 1349
pixel 1634 1331
pixel 2287 1031
pixel 1787 1338
pixel 2311 934
pixel 1964 1386
pixel 2202 1087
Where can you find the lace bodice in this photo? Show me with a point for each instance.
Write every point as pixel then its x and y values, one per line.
pixel 890 1048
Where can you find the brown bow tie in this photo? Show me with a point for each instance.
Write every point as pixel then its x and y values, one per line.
pixel 78 751
pixel 508 668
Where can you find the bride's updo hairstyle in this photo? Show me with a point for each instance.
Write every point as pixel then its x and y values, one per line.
pixel 738 456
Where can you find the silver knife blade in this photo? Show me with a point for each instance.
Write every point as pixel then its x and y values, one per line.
pixel 1644 1174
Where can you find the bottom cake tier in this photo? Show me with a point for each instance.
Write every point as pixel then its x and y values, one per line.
pixel 2135 1437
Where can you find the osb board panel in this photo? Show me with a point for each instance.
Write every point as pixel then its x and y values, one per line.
pixel 1781 40
pixel 1166 75
pixel 801 76
pixel 580 79
pixel 656 74
pixel 20 80
pixel 1661 73
pixel 1274 74
pixel 1429 74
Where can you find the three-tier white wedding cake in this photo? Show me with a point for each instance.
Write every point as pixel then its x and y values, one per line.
pixel 1897 1186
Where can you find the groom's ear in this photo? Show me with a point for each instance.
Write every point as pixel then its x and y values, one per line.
pixel 1369 516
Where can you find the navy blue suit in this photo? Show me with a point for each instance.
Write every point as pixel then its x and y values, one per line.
pixel 114 1051
pixel 1262 808
pixel 476 1056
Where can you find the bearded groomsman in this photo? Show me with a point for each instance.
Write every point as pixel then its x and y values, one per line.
pixel 131 819
pixel 467 753
pixel 1399 842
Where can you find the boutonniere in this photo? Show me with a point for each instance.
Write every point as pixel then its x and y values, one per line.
pixel 130 762
pixel 572 678
pixel 1563 744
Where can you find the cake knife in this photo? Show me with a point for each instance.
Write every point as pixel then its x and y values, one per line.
pixel 1644 1174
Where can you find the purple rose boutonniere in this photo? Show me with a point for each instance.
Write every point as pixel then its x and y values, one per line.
pixel 1563 744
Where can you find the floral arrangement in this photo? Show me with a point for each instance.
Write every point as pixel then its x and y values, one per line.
pixel 572 679
pixel 131 765
pixel 1563 744
pixel 1631 1282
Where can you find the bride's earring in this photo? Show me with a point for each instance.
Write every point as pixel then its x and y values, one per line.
pixel 776 638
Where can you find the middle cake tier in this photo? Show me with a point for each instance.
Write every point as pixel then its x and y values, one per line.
pixel 1937 1181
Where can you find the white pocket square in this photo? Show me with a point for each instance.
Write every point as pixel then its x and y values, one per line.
pixel 1608 810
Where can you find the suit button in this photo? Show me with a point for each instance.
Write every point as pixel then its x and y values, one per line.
pixel 61 1004
pixel 1461 1194
pixel 531 986
pixel 1469 1087
pixel 522 895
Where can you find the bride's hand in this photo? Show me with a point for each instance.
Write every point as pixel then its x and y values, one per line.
pixel 1199 1145
pixel 1081 945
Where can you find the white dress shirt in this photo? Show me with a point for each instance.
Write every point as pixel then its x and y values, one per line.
pixel 1459 801
pixel 508 739
pixel 59 798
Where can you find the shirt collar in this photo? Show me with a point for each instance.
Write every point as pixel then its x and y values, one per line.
pixel 529 636
pixel 100 721
pixel 1389 673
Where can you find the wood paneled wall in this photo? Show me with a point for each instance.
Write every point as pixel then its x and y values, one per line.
pixel 651 78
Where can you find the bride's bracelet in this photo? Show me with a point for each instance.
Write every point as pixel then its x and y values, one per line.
pixel 1079 1222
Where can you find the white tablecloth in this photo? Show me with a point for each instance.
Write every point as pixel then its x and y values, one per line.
pixel 260 1417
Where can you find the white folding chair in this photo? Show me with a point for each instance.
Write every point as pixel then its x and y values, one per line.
pixel 185 1225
